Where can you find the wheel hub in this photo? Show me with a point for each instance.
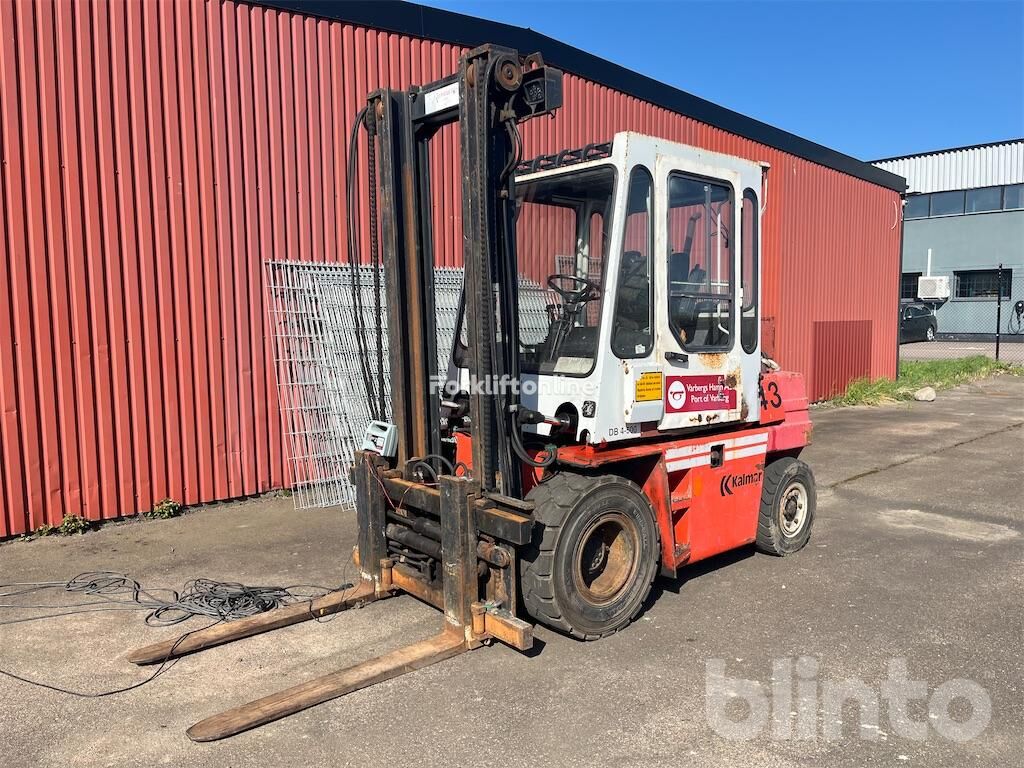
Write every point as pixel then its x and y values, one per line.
pixel 793 509
pixel 600 556
pixel 607 558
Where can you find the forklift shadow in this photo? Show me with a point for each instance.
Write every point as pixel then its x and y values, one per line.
pixel 690 573
pixel 664 584
pixel 534 650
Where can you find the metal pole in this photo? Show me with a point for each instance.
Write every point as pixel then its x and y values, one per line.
pixel 999 305
pixel 899 283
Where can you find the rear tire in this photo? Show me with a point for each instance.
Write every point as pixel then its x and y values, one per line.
pixel 593 556
pixel 788 503
pixel 929 334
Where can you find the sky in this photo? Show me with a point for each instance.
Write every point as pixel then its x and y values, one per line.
pixel 869 78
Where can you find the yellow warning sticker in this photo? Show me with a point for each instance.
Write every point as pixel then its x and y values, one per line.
pixel 648 387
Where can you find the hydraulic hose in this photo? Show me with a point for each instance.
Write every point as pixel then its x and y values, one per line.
pixel 371 154
pixel 353 260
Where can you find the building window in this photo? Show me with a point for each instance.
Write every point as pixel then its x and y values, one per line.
pixel 947 203
pixel 1013 197
pixel 985 199
pixel 916 207
pixel 958 202
pixel 982 284
pixel 908 285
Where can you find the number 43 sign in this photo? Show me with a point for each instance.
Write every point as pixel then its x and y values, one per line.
pixel 770 397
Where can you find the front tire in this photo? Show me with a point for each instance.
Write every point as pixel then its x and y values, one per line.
pixel 788 503
pixel 593 556
pixel 929 334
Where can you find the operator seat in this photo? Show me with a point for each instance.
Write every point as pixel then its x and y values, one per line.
pixel 686 308
pixel 632 328
pixel 678 269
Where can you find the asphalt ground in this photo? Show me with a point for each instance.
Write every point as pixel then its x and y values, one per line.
pixel 915 565
pixel 1009 351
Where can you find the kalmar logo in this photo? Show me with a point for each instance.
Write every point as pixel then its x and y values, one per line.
pixel 731 482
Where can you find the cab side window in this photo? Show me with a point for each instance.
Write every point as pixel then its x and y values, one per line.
pixel 749 235
pixel 700 270
pixel 633 323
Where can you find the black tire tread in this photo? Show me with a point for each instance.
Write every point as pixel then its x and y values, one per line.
pixel 774 475
pixel 555 498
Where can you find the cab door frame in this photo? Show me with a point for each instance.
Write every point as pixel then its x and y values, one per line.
pixel 705 386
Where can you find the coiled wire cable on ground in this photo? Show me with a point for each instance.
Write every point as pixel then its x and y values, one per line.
pixel 205 598
pixel 224 601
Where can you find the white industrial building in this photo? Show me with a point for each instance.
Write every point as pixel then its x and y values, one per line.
pixel 963 217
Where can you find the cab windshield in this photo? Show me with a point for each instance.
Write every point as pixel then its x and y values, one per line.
pixel 562 230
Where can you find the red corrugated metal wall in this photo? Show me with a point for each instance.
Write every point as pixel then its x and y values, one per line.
pixel 154 155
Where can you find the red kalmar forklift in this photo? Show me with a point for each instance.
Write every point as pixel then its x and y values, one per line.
pixel 607 413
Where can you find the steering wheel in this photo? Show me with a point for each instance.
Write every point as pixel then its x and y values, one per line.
pixel 581 288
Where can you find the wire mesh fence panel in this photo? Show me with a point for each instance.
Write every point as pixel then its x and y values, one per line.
pixel 984 315
pixel 537 304
pixel 322 368
pixel 322 371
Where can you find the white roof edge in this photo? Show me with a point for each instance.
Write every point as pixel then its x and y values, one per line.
pixel 972 167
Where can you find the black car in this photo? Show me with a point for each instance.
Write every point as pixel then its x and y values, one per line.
pixel 917 323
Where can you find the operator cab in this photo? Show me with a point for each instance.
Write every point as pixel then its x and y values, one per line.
pixel 639 267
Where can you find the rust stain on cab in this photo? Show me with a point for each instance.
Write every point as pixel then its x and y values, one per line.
pixel 712 360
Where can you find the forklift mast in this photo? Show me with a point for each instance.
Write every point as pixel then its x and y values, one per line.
pixel 494 90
